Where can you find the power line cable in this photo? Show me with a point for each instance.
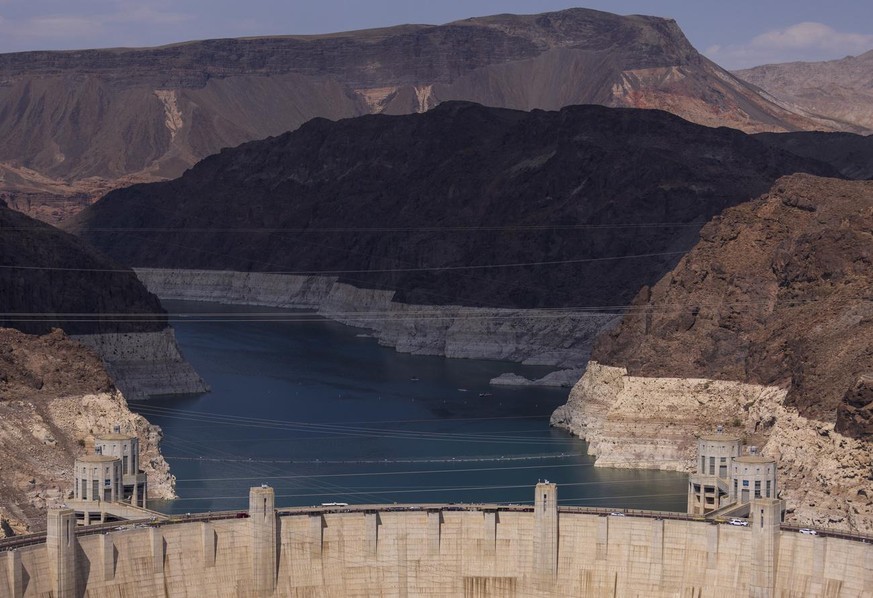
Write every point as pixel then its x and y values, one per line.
pixel 388 270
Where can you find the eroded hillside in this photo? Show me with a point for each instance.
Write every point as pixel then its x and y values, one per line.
pixel 49 278
pixel 54 397
pixel 766 327
pixel 841 90
pixel 78 123
pixel 779 291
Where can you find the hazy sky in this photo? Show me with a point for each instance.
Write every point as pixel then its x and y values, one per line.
pixel 735 33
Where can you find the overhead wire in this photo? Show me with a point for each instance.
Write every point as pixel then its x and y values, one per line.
pixel 338 429
pixel 357 474
pixel 387 270
pixel 375 229
pixel 424 314
pixel 491 487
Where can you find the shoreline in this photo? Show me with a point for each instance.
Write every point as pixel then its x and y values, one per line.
pixel 558 338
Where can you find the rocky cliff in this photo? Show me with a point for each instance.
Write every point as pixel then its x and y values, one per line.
pixel 77 123
pixel 825 477
pixel 55 396
pixel 841 90
pixel 462 205
pixel 145 364
pixel 777 292
pixel 49 279
pixel 764 326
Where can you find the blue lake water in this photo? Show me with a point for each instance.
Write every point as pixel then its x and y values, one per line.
pixel 324 414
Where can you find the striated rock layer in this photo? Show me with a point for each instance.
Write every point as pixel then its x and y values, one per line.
pixel 559 338
pixel 55 396
pixel 77 123
pixel 145 364
pixel 646 422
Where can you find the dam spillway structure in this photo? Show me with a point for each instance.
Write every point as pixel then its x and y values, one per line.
pixel 437 550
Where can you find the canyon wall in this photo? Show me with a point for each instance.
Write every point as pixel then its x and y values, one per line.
pixel 560 338
pixel 764 327
pixel 826 478
pixel 76 124
pixel 55 396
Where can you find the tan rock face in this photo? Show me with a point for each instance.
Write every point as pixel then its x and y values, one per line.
pixel 777 292
pixel 642 422
pixel 841 90
pixel 55 397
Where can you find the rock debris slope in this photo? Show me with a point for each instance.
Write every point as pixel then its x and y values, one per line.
pixel 78 123
pixel 55 396
pixel 766 326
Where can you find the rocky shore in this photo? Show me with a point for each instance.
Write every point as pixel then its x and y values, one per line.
pixel 559 338
pixel 55 397
pixel 642 422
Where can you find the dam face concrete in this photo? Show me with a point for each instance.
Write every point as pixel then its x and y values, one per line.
pixel 447 550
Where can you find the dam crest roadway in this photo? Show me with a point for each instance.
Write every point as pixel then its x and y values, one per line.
pixel 436 550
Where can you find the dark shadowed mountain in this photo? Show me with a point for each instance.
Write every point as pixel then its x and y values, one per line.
pixel 75 124
pixel 850 154
pixel 49 278
pixel 462 204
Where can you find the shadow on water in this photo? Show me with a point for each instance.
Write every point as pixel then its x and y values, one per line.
pixel 323 413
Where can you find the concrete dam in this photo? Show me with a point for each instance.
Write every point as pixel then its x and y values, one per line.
pixel 436 550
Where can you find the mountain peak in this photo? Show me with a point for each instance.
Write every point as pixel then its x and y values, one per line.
pixel 127 115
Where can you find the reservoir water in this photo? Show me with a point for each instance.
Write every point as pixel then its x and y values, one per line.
pixel 322 413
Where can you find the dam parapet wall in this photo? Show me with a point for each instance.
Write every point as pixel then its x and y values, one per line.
pixel 445 550
pixel 559 338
